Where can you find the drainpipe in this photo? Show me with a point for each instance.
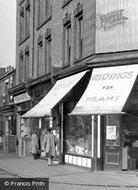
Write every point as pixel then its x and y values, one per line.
pixel 61 153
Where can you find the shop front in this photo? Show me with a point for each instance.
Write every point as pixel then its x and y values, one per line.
pixel 49 112
pixel 94 117
pixel 110 101
pixel 22 104
pixel 8 139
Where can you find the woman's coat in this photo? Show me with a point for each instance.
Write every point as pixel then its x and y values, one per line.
pixel 34 144
pixel 50 144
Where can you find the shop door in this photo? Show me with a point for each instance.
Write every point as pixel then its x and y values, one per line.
pixel 113 151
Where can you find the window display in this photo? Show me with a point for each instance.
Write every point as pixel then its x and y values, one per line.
pixel 78 135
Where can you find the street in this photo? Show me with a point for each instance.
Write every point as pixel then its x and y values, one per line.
pixel 66 177
pixel 6 174
pixel 58 184
pixel 68 186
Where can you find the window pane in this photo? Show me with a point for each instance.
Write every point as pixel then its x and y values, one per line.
pixel 40 59
pixel 78 135
pixel 67 45
pixel 78 38
pixel 26 66
pixel 21 26
pixel 41 11
pixel 27 21
pixel 47 8
pixel 48 56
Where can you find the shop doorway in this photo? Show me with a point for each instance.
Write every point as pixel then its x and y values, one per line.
pixel 113 145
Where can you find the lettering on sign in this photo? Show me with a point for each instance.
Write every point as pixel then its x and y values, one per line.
pixel 102 99
pixel 112 76
pixel 109 20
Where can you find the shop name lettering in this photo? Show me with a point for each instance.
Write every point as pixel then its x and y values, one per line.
pixel 102 99
pixel 109 20
pixel 112 76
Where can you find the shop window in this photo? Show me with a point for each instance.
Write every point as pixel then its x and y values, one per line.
pixel 22 24
pixel 40 57
pixel 77 133
pixel 67 40
pixel 47 68
pixel 78 32
pixel 130 131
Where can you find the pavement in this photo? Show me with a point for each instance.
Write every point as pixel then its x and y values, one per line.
pixel 68 174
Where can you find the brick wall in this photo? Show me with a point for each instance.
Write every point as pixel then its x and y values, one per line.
pixel 56 25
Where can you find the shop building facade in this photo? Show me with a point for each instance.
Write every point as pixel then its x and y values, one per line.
pixel 69 42
pixel 8 117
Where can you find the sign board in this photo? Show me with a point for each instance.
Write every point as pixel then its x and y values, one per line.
pixel 111 132
pixel 116 25
pixel 21 98
pixel 107 90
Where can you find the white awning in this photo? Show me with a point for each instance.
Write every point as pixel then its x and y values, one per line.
pixel 107 91
pixel 59 90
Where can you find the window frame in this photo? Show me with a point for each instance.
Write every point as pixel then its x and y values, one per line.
pixel 78 37
pixel 48 55
pixel 46 10
pixel 39 55
pixel 67 38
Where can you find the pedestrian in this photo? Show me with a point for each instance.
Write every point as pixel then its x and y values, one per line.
pixel 50 146
pixel 34 144
pixel 38 153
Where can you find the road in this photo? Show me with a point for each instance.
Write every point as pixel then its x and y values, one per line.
pixel 4 174
pixel 57 185
pixel 61 186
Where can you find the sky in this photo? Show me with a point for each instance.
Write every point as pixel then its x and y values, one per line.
pixel 7 32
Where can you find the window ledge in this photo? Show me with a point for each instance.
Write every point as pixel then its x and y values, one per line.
pixel 77 60
pixel 65 3
pixel 21 1
pixel 48 18
pixel 65 66
pixel 25 38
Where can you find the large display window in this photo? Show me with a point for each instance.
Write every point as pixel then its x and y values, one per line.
pixel 78 135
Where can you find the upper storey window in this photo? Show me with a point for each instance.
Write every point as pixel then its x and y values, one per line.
pixel 24 21
pixel 44 11
pixel 78 31
pixel 27 18
pixel 22 24
pixel 67 39
pixel 40 60
pixel 48 51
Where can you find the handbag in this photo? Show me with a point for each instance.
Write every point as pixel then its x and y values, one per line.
pixel 43 153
